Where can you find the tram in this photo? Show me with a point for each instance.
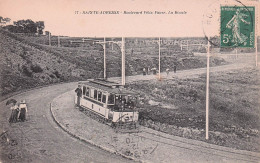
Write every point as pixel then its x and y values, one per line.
pixel 110 103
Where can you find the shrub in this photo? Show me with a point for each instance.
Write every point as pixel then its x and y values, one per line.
pixel 58 75
pixel 26 71
pixel 36 68
pixel 52 76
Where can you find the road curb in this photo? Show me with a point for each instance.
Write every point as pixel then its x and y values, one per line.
pixel 84 140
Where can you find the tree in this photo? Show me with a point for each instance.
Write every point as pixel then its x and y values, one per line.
pixel 47 33
pixel 3 20
pixel 13 28
pixel 25 26
pixel 40 27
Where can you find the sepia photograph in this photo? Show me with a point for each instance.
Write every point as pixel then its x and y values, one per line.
pixel 129 81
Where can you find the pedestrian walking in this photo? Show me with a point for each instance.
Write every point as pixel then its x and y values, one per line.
pixel 167 71
pixel 144 71
pixel 15 110
pixel 174 68
pixel 154 70
pixel 22 111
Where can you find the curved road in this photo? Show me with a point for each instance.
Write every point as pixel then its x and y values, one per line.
pixel 40 138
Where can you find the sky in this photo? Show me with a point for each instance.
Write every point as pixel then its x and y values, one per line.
pixel 61 19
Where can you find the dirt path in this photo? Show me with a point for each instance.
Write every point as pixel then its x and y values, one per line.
pixel 184 73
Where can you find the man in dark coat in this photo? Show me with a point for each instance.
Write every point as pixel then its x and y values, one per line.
pixel 79 94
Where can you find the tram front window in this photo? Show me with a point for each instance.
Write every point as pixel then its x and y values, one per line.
pixel 111 99
pixel 124 102
pixel 130 102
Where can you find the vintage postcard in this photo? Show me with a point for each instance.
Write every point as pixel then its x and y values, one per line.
pixel 129 81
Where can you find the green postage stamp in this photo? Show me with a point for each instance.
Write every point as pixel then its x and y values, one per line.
pixel 237 26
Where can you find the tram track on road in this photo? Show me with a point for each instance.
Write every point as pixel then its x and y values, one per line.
pixel 187 145
pixel 193 146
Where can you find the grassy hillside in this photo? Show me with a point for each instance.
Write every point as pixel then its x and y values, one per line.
pixel 234 107
pixel 26 63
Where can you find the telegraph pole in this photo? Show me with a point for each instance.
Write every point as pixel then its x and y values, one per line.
pixel 159 58
pixel 236 53
pixel 58 41
pixel 123 61
pixel 105 65
pixel 207 93
pixel 50 38
pixel 256 46
pixel 256 51
pixel 112 44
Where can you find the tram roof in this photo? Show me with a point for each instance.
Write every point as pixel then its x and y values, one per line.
pixel 108 86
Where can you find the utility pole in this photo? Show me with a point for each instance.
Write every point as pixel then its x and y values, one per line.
pixel 112 44
pixel 256 46
pixel 58 41
pixel 105 65
pixel 207 93
pixel 159 58
pixel 256 52
pixel 187 45
pixel 123 60
pixel 50 38
pixel 236 53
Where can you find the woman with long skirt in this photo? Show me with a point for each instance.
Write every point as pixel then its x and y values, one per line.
pixel 23 110
pixel 15 110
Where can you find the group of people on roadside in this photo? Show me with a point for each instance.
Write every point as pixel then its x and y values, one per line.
pixel 18 112
pixel 154 70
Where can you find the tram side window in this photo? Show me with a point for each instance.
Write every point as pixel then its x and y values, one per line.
pixel 92 93
pixel 99 96
pixel 111 99
pixel 84 90
pixel 95 94
pixel 104 98
pixel 87 91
